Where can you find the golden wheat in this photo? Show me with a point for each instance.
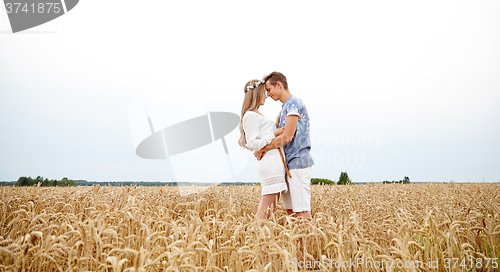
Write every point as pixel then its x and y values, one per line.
pixel 213 228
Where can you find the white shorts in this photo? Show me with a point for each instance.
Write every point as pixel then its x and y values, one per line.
pixel 298 197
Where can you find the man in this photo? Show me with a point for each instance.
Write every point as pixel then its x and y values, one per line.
pixel 296 144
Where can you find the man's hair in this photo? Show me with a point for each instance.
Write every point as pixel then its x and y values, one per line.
pixel 275 77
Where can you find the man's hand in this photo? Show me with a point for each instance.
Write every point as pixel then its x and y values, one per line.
pixel 259 154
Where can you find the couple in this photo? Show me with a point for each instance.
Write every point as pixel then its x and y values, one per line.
pixel 266 138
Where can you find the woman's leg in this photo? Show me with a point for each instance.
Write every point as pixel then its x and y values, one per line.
pixel 265 202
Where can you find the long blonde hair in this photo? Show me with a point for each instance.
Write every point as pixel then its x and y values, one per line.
pixel 250 102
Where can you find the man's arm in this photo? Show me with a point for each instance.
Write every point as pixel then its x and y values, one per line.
pixel 283 139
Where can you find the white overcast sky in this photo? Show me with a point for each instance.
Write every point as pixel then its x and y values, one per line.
pixel 393 88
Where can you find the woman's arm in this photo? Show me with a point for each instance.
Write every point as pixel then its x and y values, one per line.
pixel 251 128
pixel 283 139
pixel 279 131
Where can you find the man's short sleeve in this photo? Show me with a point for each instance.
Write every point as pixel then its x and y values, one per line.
pixel 293 108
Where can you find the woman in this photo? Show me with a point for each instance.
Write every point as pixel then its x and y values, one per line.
pixel 256 132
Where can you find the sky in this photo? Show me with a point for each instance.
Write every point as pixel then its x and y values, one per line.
pixel 393 88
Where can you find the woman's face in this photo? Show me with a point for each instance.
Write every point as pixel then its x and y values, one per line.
pixel 263 98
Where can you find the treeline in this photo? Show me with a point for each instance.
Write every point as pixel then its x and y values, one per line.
pixel 406 180
pixel 40 181
pixel 321 181
pixel 124 183
pixel 28 181
pixel 135 183
pixel 343 180
pixel 155 183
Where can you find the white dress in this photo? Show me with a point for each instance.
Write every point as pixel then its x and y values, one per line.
pixel 259 133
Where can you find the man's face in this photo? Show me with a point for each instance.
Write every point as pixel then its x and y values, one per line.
pixel 272 91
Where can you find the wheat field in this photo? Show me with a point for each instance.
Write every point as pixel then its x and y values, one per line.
pixel 380 227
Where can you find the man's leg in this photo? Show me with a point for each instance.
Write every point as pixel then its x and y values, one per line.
pixel 301 202
pixel 306 214
pixel 300 193
pixel 286 196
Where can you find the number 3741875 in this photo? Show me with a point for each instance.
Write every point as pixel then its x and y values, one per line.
pixel 470 263
pixel 33 8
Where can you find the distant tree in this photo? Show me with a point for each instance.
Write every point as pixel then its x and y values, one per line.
pixel 21 181
pixel 63 182
pixel 30 182
pixel 406 180
pixel 38 180
pixel 316 181
pixel 344 179
pixel 66 182
pixel 25 181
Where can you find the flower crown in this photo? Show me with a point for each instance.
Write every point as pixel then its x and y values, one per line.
pixel 255 85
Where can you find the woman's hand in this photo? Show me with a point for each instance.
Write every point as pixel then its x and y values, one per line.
pixel 259 154
pixel 279 131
